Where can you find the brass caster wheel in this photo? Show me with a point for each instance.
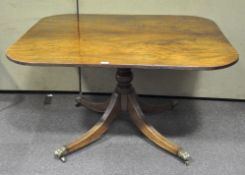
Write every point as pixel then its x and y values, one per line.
pixel 185 156
pixel 60 154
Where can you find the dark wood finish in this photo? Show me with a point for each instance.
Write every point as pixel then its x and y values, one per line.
pixel 99 129
pixel 129 41
pixel 92 105
pixel 123 99
pixel 147 129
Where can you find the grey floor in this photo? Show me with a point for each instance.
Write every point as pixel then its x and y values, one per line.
pixel 212 131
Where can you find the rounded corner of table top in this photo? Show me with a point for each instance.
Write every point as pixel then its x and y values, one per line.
pixel 221 66
pixel 215 66
pixel 201 18
pixel 14 59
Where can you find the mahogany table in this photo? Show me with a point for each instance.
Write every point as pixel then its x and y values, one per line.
pixel 124 42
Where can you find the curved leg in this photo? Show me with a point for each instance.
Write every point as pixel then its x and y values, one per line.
pixel 95 132
pixel 94 106
pixel 151 133
pixel 156 108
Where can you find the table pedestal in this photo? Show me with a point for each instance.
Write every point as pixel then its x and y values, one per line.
pixel 123 99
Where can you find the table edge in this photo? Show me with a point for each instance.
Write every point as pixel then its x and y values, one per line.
pixel 127 66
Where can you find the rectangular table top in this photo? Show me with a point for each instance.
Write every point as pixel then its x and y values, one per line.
pixel 130 41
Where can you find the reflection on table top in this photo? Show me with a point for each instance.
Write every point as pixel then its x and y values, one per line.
pixel 132 41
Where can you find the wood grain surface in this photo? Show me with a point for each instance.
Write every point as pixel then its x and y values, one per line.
pixel 129 41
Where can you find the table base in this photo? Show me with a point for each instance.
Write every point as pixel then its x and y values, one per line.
pixel 123 99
